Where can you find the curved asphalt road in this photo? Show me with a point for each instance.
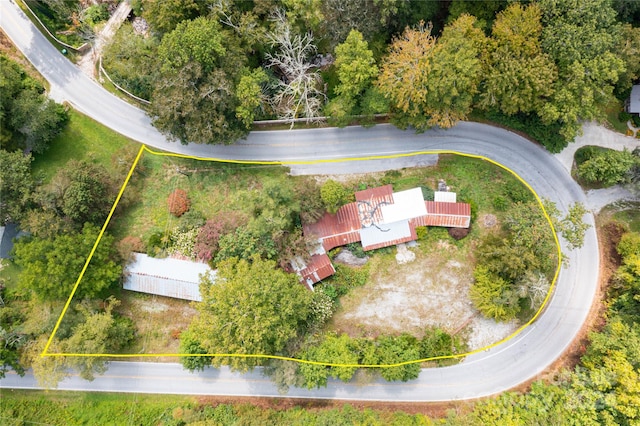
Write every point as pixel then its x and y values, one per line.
pixel 486 373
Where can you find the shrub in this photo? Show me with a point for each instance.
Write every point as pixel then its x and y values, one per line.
pixel 499 203
pixel 427 193
pixel 547 134
pixel 518 192
pixel 607 167
pixel 334 195
pixel 178 202
pixel 421 232
pixel 458 233
pixel 129 245
pixel 493 296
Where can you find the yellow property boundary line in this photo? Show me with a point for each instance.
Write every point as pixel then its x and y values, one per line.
pixel 144 148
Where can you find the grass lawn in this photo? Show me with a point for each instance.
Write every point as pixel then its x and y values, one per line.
pixel 212 188
pixel 9 273
pixel 82 139
pixel 630 215
pixel 613 110
pixel 19 407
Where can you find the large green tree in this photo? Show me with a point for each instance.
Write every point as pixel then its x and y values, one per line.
pixel 164 16
pixel 16 185
pixel 50 267
pixel 195 96
pixel 30 121
pixel 519 77
pixel 249 308
pixel 581 36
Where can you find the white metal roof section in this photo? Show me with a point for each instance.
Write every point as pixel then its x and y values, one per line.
pixel 165 277
pixel 444 197
pixel 634 100
pixel 406 205
pixel 385 232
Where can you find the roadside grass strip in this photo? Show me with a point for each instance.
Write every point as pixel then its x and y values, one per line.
pixel 144 149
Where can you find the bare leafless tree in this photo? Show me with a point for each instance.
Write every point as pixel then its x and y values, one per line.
pixel 299 91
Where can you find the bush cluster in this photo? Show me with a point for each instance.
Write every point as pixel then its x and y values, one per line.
pixel 178 202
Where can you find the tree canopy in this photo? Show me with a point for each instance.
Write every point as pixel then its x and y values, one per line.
pixel 252 308
pixel 195 98
pixel 16 185
pixel 50 267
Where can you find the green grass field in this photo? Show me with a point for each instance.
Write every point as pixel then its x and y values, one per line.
pixel 82 139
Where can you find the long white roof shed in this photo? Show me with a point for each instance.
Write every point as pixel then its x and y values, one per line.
pixel 165 277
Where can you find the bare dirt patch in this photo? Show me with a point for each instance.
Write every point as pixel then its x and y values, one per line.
pixel 430 291
pixel 159 322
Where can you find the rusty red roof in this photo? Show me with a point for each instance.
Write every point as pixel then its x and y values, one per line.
pixel 369 203
pixel 318 268
pixel 345 227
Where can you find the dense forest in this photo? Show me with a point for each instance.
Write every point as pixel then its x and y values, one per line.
pixel 212 67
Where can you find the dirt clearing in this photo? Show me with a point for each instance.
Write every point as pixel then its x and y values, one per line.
pixel 430 291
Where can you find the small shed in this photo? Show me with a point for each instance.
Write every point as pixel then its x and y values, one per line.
pixel 167 277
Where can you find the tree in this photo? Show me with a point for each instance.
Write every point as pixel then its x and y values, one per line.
pixel 485 11
pixel 311 205
pixel 519 77
pixel 355 66
pixel 189 344
pixel 30 121
pixel 581 37
pixel 628 49
pixel 130 61
pixel 299 93
pixel 607 167
pixel 100 332
pixel 391 350
pixel 429 83
pixel 164 16
pixel 51 266
pixel 356 69
pixel 455 73
pixel 88 196
pixel 195 98
pixel 404 74
pixel 334 195
pixel 38 119
pixel 332 349
pixel 573 227
pixel 251 309
pixel 343 16
pixel 16 185
pixel 12 338
pixel 250 95
pixel 493 296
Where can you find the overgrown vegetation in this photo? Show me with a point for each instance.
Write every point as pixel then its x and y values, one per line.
pixel 426 63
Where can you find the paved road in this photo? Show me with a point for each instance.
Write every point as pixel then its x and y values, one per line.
pixel 485 373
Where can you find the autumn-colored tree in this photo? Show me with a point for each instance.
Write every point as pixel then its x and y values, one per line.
pixel 178 202
pixel 404 74
pixel 432 83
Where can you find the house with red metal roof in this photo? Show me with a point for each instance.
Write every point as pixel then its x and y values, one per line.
pixel 378 218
